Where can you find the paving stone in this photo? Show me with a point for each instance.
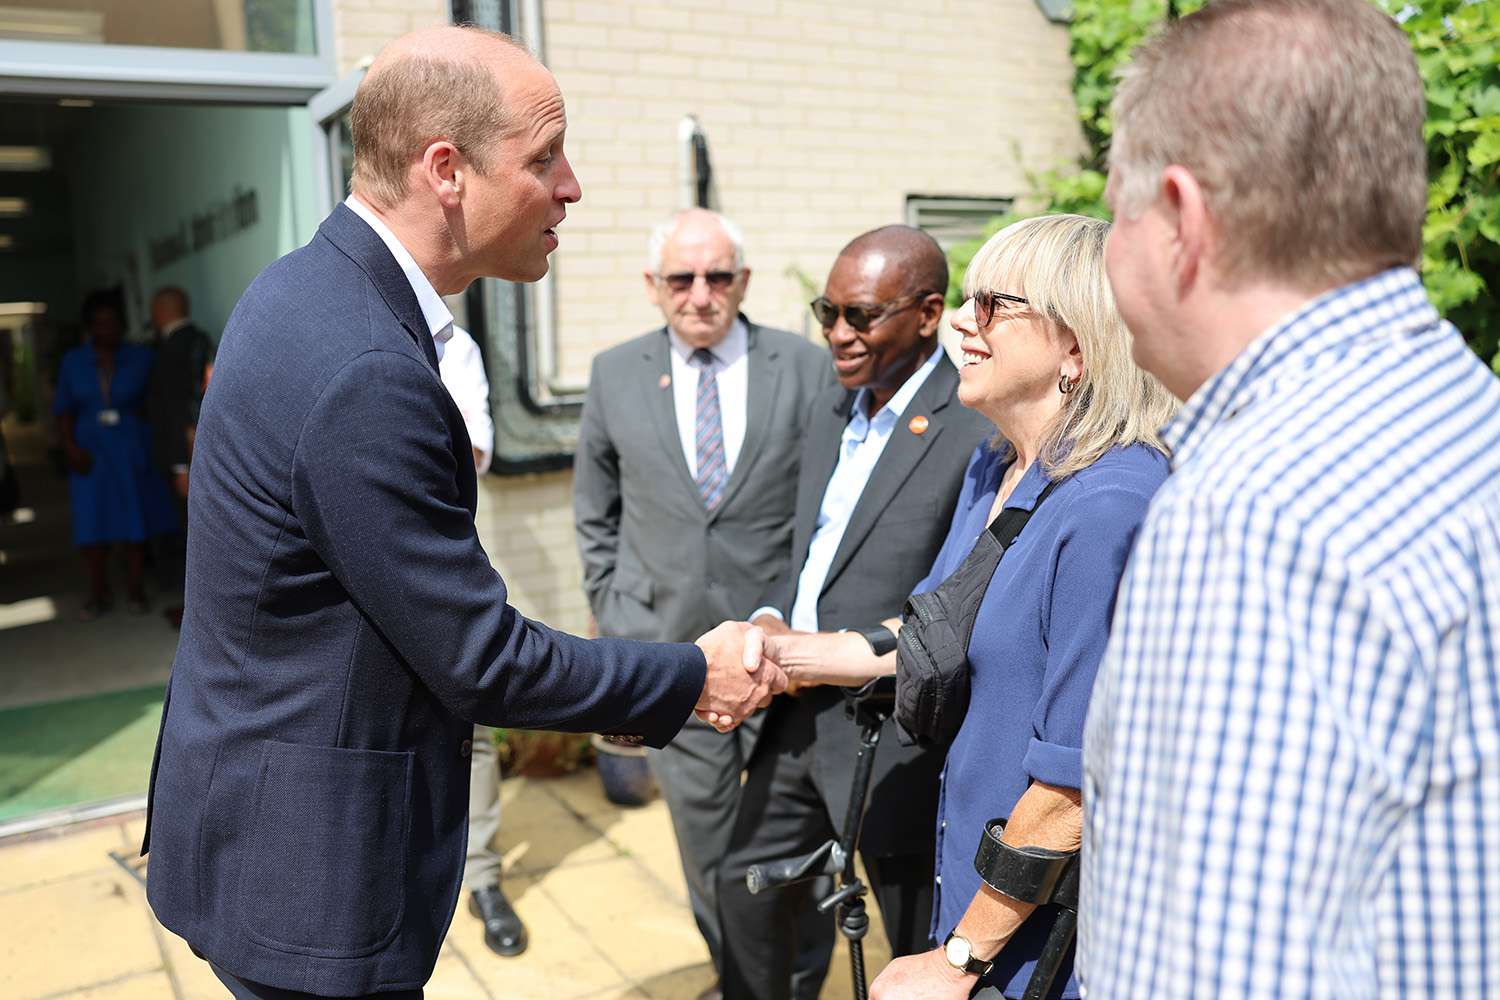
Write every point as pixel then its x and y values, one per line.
pixel 67 935
pixel 560 961
pixel 153 986
pixel 48 859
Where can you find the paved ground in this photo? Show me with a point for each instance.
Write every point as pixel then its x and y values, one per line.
pixel 46 653
pixel 598 886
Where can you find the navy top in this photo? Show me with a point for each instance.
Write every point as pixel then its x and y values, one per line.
pixel 1037 642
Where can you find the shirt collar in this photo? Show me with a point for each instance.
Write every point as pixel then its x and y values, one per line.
pixel 735 344
pixel 174 326
pixel 1391 303
pixel 860 423
pixel 434 311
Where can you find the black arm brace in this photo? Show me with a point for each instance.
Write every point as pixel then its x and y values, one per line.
pixel 1028 874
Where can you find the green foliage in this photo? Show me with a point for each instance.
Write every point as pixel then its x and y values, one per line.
pixel 1457 45
pixel 1458 51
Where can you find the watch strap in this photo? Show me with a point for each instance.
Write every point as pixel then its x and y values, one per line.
pixel 974 966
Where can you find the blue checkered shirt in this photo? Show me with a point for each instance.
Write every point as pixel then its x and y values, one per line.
pixel 1292 754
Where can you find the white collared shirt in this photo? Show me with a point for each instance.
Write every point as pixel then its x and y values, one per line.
pixel 462 372
pixel 434 311
pixel 860 448
pixel 732 371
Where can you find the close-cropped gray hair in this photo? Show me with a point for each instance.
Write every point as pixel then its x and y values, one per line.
pixel 663 230
pixel 1302 122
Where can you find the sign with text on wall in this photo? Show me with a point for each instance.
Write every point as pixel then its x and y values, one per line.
pixel 218 222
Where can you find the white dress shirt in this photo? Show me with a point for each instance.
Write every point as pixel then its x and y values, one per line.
pixel 732 371
pixel 434 311
pixel 860 448
pixel 461 368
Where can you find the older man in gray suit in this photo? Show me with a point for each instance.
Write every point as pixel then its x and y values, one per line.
pixel 684 488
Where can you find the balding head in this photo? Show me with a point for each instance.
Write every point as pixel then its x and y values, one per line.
pixel 168 305
pixel 908 250
pixel 437 83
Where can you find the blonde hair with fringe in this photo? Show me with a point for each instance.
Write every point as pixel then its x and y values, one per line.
pixel 1056 262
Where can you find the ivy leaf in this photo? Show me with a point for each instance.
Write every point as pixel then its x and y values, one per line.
pixel 1486 150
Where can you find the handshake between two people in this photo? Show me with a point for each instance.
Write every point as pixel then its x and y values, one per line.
pixel 749 663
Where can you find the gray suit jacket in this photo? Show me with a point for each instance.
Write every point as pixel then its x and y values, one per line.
pixel 655 562
pixel 894 534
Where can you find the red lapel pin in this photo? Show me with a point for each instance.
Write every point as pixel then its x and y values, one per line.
pixel 664 381
pixel 918 425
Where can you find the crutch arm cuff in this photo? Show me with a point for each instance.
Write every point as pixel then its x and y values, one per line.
pixel 1027 874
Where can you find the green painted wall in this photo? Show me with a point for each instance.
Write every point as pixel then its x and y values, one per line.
pixel 147 176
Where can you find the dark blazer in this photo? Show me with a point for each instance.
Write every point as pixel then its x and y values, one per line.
pixel 344 630
pixel 894 534
pixel 176 393
pixel 656 564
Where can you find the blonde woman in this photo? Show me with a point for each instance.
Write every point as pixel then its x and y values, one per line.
pixel 1046 358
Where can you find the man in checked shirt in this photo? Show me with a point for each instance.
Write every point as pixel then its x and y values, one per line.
pixel 1292 757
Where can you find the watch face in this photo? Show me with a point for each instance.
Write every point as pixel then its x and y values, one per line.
pixel 957 952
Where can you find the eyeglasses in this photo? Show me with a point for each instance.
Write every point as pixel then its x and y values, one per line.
pixel 861 318
pixel 986 303
pixel 682 281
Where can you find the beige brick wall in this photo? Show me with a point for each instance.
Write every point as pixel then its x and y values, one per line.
pixel 361 27
pixel 526 524
pixel 821 115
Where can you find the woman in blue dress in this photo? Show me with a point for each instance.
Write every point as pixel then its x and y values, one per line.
pixel 116 495
pixel 1047 358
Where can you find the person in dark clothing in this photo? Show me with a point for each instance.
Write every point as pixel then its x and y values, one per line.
pixel 184 360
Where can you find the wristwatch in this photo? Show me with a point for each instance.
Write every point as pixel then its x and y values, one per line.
pixel 960 954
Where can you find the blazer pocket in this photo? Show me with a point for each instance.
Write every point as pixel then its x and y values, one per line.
pixel 635 585
pixel 325 870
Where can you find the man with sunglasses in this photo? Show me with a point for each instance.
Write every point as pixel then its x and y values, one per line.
pixel 684 482
pixel 881 471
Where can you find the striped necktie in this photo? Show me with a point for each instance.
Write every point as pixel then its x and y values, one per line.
pixel 708 433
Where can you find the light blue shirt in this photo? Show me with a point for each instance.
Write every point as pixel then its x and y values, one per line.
pixel 860 449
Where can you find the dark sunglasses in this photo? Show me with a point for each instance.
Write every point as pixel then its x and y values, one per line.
pixel 861 318
pixel 986 303
pixel 682 281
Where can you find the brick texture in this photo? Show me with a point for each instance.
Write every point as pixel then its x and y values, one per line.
pixel 821 118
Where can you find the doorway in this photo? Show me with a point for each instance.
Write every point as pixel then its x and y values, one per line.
pixel 129 197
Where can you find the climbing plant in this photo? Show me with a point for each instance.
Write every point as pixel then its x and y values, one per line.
pixel 1457 46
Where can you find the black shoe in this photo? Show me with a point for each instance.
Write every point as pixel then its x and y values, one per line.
pixel 504 933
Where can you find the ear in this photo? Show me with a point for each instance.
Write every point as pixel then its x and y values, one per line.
pixel 932 314
pixel 652 292
pixel 444 172
pixel 1072 365
pixel 1186 209
pixel 744 280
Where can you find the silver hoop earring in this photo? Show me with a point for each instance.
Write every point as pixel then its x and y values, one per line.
pixel 1066 385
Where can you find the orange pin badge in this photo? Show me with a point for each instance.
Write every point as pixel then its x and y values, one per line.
pixel 664 381
pixel 918 425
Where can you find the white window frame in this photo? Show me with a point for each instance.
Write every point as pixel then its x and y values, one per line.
pixel 144 72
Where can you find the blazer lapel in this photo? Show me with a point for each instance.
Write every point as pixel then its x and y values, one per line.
pixel 655 378
pixel 902 453
pixel 354 237
pixel 763 383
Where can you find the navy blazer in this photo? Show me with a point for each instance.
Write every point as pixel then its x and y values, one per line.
pixel 344 630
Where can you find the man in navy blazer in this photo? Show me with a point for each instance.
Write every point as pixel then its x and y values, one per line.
pixel 344 629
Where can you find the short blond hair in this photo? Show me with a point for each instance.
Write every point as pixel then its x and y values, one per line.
pixel 1302 121
pixel 416 99
pixel 1056 262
